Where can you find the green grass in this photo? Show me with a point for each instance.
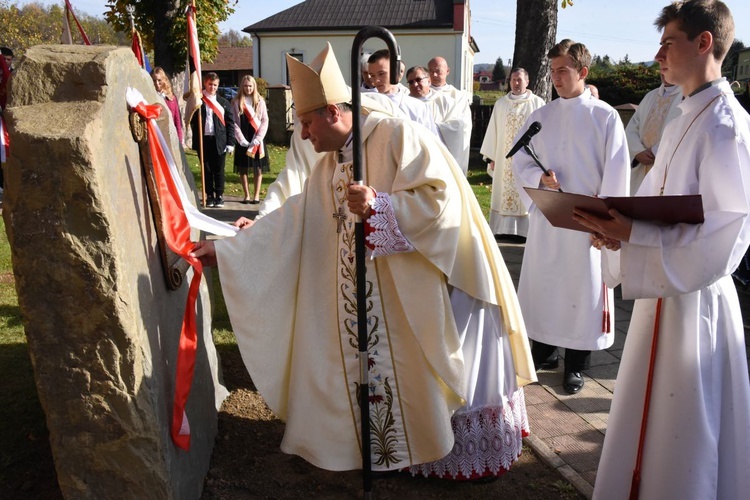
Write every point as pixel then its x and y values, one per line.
pixel 23 425
pixel 490 96
pixel 232 186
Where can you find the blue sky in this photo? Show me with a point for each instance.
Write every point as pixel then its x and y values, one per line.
pixel 607 27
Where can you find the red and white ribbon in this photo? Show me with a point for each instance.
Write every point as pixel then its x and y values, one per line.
pixel 179 217
pixel 251 118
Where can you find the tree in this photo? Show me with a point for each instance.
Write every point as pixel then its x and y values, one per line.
pixel 234 38
pixel 498 72
pixel 34 24
pixel 162 25
pixel 732 59
pixel 536 32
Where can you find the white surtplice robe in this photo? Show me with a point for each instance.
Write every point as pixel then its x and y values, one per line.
pixel 697 443
pixel 453 120
pixel 657 108
pixel 300 160
pixel 293 309
pixel 562 295
pixel 508 214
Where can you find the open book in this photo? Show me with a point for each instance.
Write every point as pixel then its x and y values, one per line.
pixel 558 207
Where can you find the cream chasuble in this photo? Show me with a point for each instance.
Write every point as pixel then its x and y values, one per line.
pixel 657 108
pixel 508 214
pixel 697 442
pixel 453 120
pixel 288 282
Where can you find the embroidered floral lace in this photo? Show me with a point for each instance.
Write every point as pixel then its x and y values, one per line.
pixel 386 236
pixel 488 441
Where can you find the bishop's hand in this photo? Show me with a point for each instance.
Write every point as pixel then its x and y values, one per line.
pixel 243 223
pixel 205 251
pixel 359 199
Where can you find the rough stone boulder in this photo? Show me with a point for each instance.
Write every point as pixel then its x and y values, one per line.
pixel 101 323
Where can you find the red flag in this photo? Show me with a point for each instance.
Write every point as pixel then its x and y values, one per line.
pixel 4 78
pixel 4 137
pixel 140 55
pixel 4 141
pixel 193 82
pixel 66 24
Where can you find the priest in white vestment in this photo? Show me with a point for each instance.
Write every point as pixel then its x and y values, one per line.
pixel 582 143
pixel 446 335
pixel 452 116
pixel 508 213
pixel 657 108
pixel 380 76
pixel 439 71
pixel 696 444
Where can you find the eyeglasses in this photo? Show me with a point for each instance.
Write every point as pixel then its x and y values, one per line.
pixel 416 80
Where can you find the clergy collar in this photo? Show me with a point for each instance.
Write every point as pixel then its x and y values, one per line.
pixel 708 85
pixel 346 153
pixel 432 95
pixel 668 91
pixel 525 95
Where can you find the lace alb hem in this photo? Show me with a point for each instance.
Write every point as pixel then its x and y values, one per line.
pixel 386 237
pixel 487 441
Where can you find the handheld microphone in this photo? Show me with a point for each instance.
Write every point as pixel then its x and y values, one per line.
pixel 534 129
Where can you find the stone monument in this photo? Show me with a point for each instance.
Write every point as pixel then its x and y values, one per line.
pixel 102 323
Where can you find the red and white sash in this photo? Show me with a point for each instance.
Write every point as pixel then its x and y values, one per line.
pixel 214 105
pixel 249 113
pixel 179 215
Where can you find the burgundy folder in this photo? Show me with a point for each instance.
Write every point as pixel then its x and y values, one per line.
pixel 558 207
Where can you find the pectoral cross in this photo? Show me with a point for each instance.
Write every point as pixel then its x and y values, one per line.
pixel 340 217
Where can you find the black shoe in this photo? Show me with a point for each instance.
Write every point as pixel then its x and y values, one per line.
pixel 573 382
pixel 255 202
pixel 246 201
pixel 211 203
pixel 219 202
pixel 548 364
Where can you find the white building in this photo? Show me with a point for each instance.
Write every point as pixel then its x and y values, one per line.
pixel 423 30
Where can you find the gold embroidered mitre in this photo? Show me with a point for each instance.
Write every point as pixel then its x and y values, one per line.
pixel 319 84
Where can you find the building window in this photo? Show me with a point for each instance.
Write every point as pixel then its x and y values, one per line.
pixel 297 55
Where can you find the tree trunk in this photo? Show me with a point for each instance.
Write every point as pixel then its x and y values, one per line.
pixel 167 10
pixel 536 32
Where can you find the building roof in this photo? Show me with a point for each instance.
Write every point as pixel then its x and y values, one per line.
pixel 355 14
pixel 231 58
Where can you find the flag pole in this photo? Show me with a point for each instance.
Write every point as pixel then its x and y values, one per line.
pixel 200 152
pixel 359 234
pixel 200 114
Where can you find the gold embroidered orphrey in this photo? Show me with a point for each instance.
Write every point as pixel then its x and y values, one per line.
pixel 387 435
